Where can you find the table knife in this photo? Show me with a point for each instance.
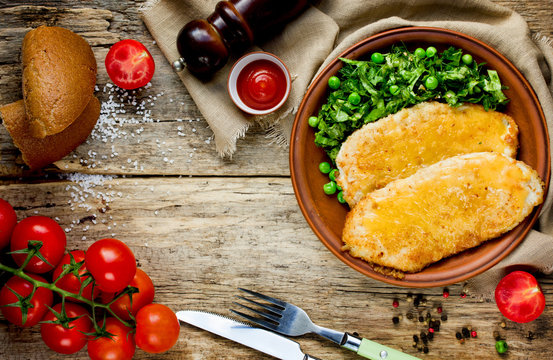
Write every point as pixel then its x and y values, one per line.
pixel 262 340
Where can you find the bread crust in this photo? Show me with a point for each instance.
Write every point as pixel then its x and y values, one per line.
pixel 398 145
pixel 38 153
pixel 441 210
pixel 59 75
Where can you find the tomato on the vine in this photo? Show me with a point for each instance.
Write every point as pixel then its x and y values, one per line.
pixel 36 305
pixel 157 328
pixel 8 219
pixel 111 263
pixel 71 282
pixel 121 346
pixel 66 340
pixel 38 228
pixel 129 64
pixel 143 297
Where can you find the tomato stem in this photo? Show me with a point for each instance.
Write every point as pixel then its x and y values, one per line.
pixel 63 293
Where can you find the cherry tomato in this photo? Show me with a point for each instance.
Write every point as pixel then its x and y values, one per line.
pixel 143 297
pixel 129 64
pixel 62 340
pixel 157 328
pixel 111 263
pixel 70 281
pixel 40 300
pixel 8 219
pixel 519 297
pixel 119 347
pixel 43 229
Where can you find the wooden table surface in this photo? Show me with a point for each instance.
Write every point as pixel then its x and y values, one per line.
pixel 201 226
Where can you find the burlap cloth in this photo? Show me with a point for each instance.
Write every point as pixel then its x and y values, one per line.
pixel 330 26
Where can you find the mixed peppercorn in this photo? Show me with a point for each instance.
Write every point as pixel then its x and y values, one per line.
pixel 432 322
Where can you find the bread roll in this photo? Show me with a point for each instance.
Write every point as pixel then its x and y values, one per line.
pixel 59 75
pixel 38 153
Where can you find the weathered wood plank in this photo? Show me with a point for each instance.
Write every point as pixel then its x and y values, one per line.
pixel 201 238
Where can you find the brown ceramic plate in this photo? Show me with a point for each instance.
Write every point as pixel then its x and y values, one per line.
pixel 326 216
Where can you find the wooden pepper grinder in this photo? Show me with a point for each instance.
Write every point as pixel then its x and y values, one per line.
pixel 205 45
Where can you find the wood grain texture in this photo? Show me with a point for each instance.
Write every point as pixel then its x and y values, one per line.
pixel 201 226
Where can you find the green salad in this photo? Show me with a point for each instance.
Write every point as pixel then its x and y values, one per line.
pixel 365 91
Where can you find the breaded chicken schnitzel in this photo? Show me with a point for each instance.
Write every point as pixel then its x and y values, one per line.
pixel 398 145
pixel 441 210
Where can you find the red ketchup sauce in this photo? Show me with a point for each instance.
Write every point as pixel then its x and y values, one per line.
pixel 261 84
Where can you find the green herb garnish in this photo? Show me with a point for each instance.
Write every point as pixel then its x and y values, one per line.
pixel 397 80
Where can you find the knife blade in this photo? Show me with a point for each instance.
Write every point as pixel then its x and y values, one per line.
pixel 261 340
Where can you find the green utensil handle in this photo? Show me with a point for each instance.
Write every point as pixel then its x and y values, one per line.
pixel 375 351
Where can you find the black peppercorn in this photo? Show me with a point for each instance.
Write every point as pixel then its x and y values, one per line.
pixel 430 336
pixel 496 335
pixel 410 316
pixel 465 332
pixel 395 320
pixel 458 335
pixel 444 317
pixel 416 302
pixel 425 349
pixel 421 319
pixel 415 338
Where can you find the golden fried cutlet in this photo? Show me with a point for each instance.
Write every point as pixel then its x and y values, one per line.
pixel 398 145
pixel 441 210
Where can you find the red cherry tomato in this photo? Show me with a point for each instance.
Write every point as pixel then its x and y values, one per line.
pixel 70 281
pixel 62 340
pixel 43 229
pixel 42 297
pixel 8 219
pixel 119 347
pixel 129 64
pixel 143 297
pixel 111 263
pixel 519 297
pixel 157 328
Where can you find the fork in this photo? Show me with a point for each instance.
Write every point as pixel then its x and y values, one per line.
pixel 287 319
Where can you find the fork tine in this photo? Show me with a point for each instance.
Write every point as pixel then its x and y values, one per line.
pixel 272 309
pixel 261 313
pixel 265 297
pixel 257 321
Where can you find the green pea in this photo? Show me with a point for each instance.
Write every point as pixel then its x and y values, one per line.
pixel 334 82
pixel 501 346
pixel 431 51
pixel 354 98
pixel 313 121
pixel 324 167
pixel 394 89
pixel 338 187
pixel 420 53
pixel 431 83
pixel 377 58
pixel 333 174
pixel 467 59
pixel 340 197
pixel 329 188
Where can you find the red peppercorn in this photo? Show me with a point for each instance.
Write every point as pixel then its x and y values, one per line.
pixel 395 303
pixel 473 334
pixel 446 293
pixel 463 295
pixel 431 330
pixel 439 309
